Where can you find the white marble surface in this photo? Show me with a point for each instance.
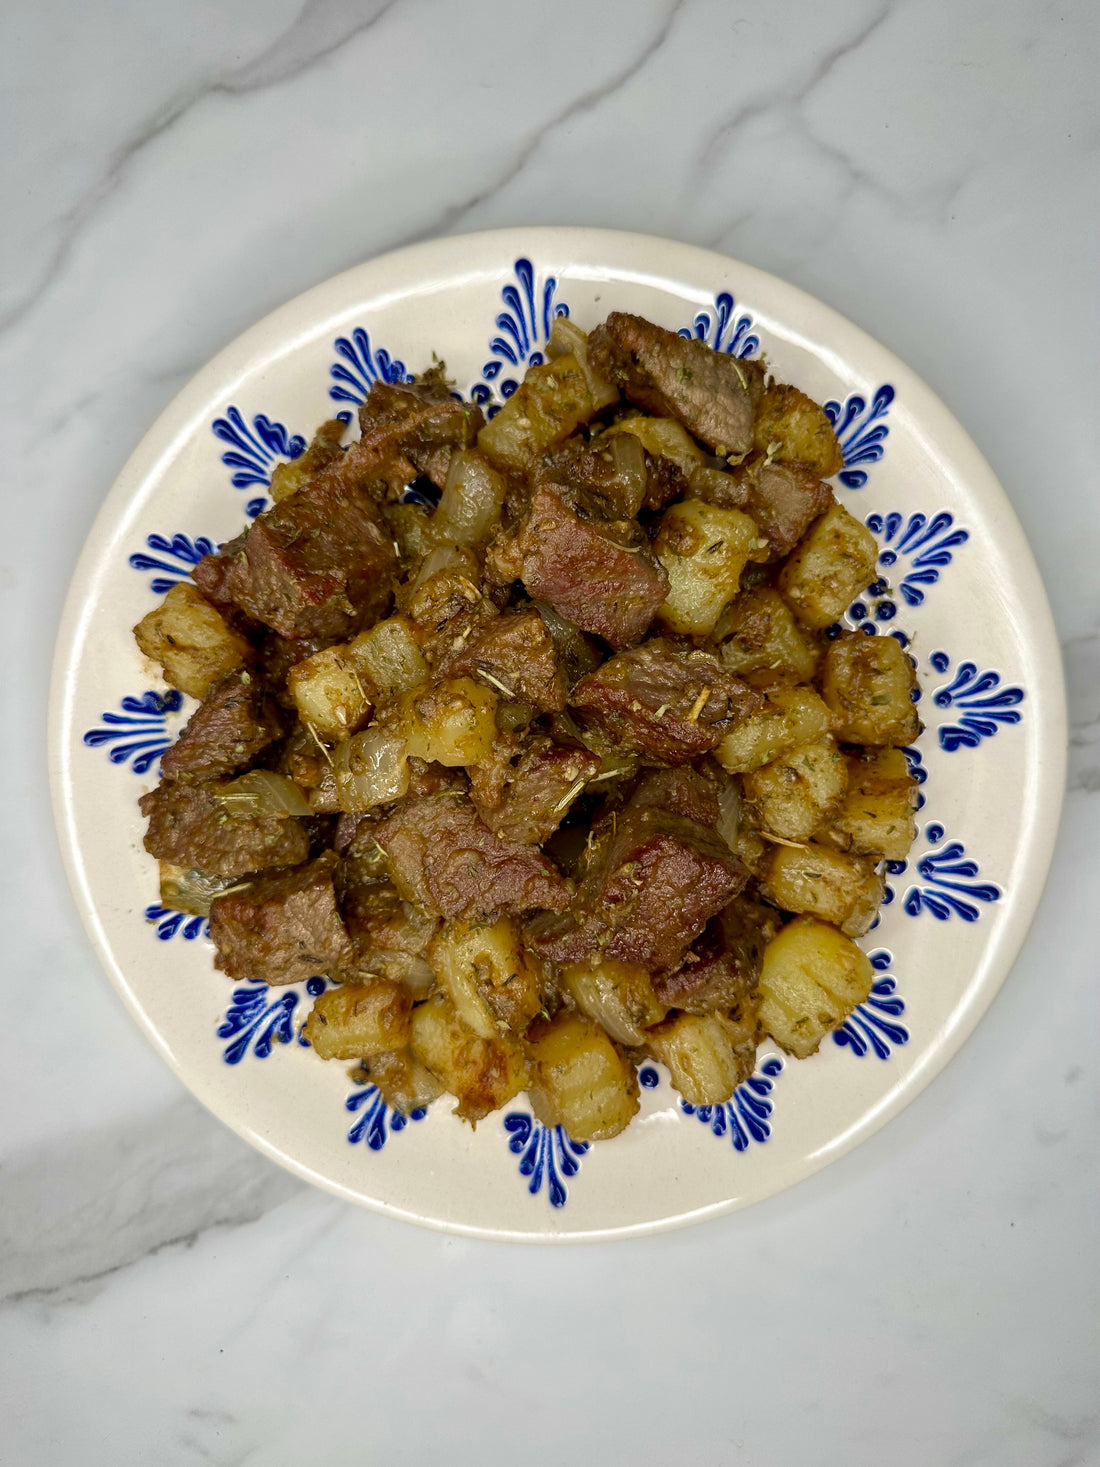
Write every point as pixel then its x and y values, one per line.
pixel 172 172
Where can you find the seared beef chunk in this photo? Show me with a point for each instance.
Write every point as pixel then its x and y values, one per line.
pixel 229 728
pixel 319 563
pixel 667 703
pixel 721 970
pixel 426 777
pixel 783 498
pixel 713 394
pixel 389 935
pixel 545 782
pixel 653 881
pixel 515 656
pixel 190 827
pixel 421 420
pixel 604 584
pixel 282 928
pixel 665 481
pixel 212 572
pixel 444 858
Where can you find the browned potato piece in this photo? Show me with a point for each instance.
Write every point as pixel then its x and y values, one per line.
pixel 358 1020
pixel 404 1082
pixel 876 815
pixel 812 979
pixel 328 694
pixel 453 722
pixel 617 995
pixel 482 1074
pixel 191 640
pixel 485 970
pixel 704 550
pixel 324 447
pixel 705 1056
pixel 388 657
pixel 842 889
pixel 868 682
pixel 789 425
pixel 799 790
pixel 792 716
pixel 758 633
pixel 835 560
pixel 551 402
pixel 580 1081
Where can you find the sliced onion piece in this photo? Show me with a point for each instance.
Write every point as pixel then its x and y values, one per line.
pixel 262 792
pixel 370 769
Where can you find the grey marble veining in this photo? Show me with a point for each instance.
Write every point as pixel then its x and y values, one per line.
pixel 167 1295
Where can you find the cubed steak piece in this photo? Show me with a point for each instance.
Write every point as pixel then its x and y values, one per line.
pixel 713 394
pixel 282 928
pixel 422 420
pixel 669 704
pixel 444 858
pixel 783 498
pixel 720 971
pixel 654 879
pixel 233 724
pixel 602 583
pixel 515 655
pixel 318 564
pixel 189 826
pixel 543 785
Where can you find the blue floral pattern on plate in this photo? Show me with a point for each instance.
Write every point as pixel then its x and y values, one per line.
pixel 256 1020
pixel 746 1116
pixel 378 1120
pixel 360 365
pixel 545 1153
pixel 173 557
pixel 254 451
pixel 139 734
pixel 861 430
pixel 168 922
pixel 872 1027
pixel 523 329
pixel 722 328
pixel 983 704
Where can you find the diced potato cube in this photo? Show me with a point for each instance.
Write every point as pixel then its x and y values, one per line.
pixel 580 1081
pixel 405 1083
pixel 663 438
pixel 876 815
pixel 453 722
pixel 838 888
pixel 472 499
pixel 796 792
pixel 551 402
pixel 324 448
pixel 328 694
pixel 704 550
pixel 358 1020
pixel 483 1074
pixel 388 657
pixel 789 425
pixel 792 716
pixel 758 633
pixel 617 995
pixel 485 970
pixel 834 561
pixel 812 979
pixel 192 641
pixel 868 682
pixel 705 1056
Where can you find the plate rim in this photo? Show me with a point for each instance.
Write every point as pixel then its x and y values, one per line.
pixel 328 302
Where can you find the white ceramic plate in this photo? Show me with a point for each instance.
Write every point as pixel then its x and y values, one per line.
pixel 962 586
